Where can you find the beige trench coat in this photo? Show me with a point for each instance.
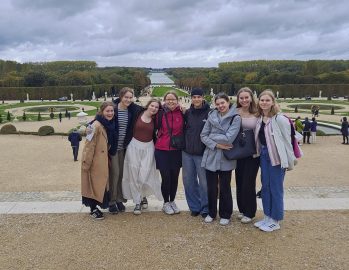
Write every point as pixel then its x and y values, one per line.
pixel 94 165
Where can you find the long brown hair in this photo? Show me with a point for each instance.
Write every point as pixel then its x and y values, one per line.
pixel 151 101
pixel 274 108
pixel 104 105
pixel 253 106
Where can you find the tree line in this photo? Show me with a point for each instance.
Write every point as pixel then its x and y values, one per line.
pixel 230 76
pixel 57 74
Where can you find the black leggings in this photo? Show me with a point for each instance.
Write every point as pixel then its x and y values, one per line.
pixel 169 183
pixel 345 138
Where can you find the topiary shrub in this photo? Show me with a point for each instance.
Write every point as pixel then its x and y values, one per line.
pixel 39 117
pixel 24 117
pixel 8 129
pixel 8 116
pixel 52 115
pixel 332 110
pixel 296 109
pixel 0 118
pixel 46 130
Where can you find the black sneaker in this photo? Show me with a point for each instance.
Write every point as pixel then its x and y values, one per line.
pixel 137 210
pixel 121 207
pixel 96 214
pixel 194 213
pixel 144 203
pixel 113 209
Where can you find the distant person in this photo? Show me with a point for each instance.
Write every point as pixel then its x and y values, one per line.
pixel 298 124
pixel 75 139
pixel 313 129
pixel 306 130
pixel 60 116
pixel 94 166
pixel 344 130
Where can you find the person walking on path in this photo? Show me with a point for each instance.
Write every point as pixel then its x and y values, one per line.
pixel 194 176
pixel 344 130
pixel 140 178
pixel 218 133
pixel 273 143
pixel 298 125
pixel 75 138
pixel 60 116
pixel 246 168
pixel 94 165
pixel 313 129
pixel 169 159
pixel 306 130
pixel 125 114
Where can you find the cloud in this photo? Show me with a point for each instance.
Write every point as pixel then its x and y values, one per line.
pixel 156 33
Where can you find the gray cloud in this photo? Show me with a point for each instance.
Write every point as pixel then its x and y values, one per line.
pixel 160 33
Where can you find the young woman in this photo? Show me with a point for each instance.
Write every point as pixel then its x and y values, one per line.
pixel 169 159
pixel 344 130
pixel 125 113
pixel 273 142
pixel 94 167
pixel 247 168
pixel 219 133
pixel 140 176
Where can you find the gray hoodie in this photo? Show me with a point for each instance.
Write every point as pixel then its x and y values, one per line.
pixel 217 129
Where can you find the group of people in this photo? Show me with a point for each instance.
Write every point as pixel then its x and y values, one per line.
pixel 133 152
pixel 307 129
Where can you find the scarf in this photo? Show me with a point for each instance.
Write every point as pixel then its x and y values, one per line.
pixel 111 132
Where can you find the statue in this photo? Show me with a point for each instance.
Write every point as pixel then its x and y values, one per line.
pixel 277 94
pixel 320 92
pixel 71 97
pixel 93 96
pixel 27 97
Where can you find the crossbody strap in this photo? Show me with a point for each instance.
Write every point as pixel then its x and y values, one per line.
pixel 168 126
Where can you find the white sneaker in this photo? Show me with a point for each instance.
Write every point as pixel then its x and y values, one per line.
pixel 246 220
pixel 270 226
pixel 258 224
pixel 240 215
pixel 208 219
pixel 224 221
pixel 175 208
pixel 167 209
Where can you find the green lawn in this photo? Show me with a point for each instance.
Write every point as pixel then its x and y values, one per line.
pixel 34 117
pixel 160 91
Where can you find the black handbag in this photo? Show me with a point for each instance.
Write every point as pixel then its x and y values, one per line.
pixel 244 145
pixel 177 141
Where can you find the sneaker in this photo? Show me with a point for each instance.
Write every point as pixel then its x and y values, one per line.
pixel 208 219
pixel 121 206
pixel 113 209
pixel 168 209
pixel 194 213
pixel 175 208
pixel 240 215
pixel 224 221
pixel 96 214
pixel 246 220
pixel 144 203
pixel 137 210
pixel 270 226
pixel 258 224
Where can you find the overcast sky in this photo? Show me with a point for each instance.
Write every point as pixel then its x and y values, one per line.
pixel 173 33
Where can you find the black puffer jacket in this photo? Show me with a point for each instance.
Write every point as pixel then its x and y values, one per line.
pixel 194 122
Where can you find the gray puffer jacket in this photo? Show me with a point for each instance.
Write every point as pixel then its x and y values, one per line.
pixel 217 129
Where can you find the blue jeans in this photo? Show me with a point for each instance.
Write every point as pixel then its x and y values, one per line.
pixel 272 187
pixel 195 184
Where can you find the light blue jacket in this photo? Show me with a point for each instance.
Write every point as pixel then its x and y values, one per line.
pixel 217 129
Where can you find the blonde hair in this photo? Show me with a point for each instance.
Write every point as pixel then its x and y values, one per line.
pixel 124 90
pixel 104 105
pixel 253 106
pixel 274 108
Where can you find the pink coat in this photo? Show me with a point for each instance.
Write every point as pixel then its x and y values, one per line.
pixel 175 121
